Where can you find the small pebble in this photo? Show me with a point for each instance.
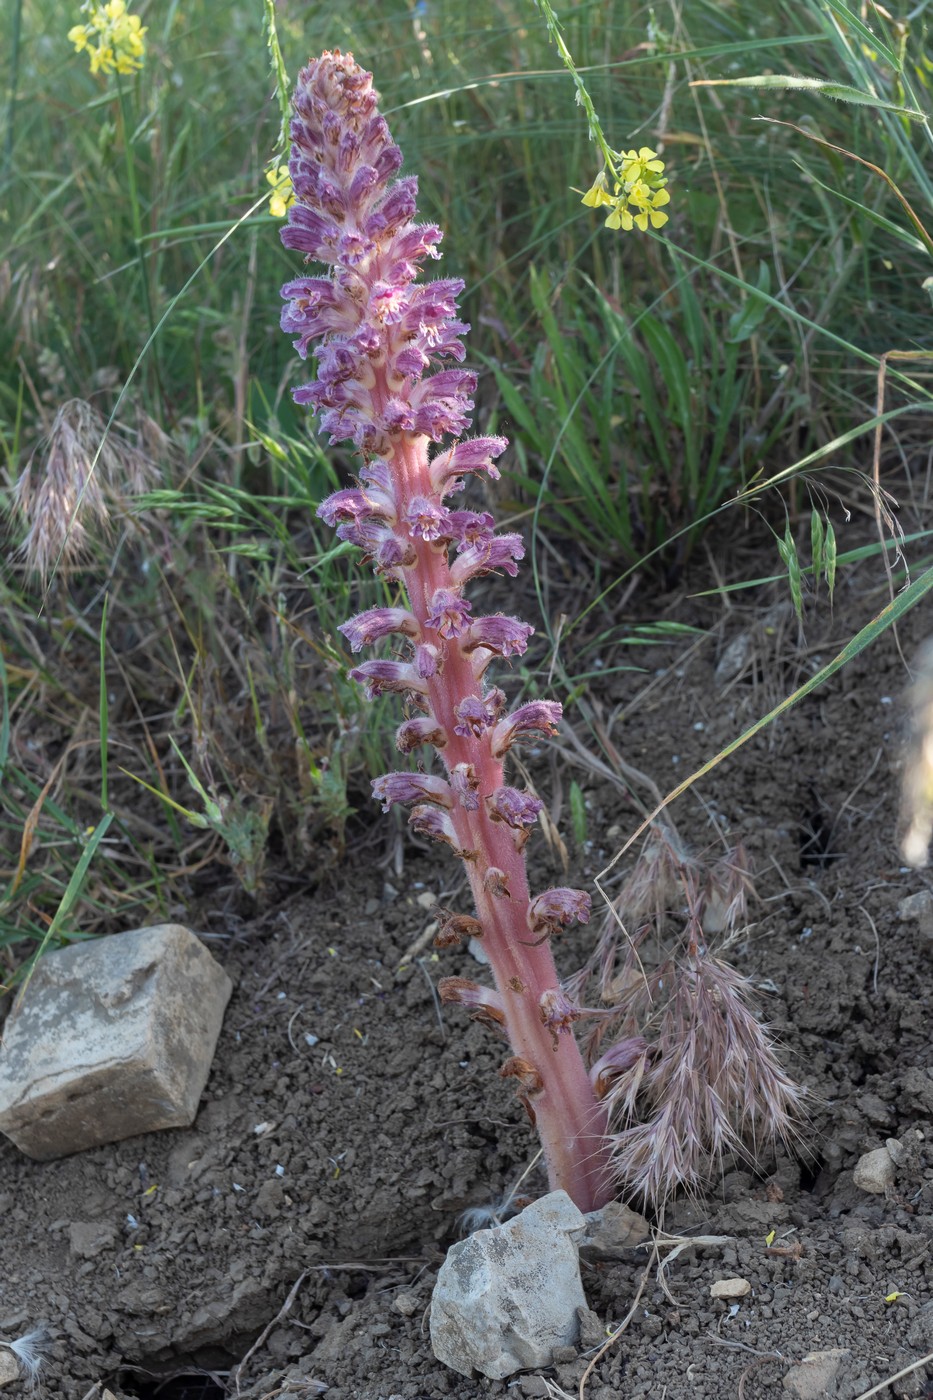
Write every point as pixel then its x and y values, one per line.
pixel 730 1288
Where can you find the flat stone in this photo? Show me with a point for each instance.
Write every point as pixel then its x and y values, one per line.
pixel 9 1367
pixel 874 1171
pixel 506 1298
pixel 918 908
pixel 814 1378
pixel 112 1038
pixel 730 1288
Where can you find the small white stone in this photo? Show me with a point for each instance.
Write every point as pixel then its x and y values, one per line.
pixel 426 900
pixel 9 1367
pixel 874 1171
pixel 730 1288
pixel 407 1304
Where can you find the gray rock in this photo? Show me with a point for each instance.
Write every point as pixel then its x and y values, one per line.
pixel 112 1038
pixel 507 1297
pixel 9 1367
pixel 874 1171
pixel 918 908
pixel 814 1378
pixel 611 1232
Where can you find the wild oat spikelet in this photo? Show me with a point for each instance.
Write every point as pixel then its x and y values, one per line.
pixel 78 478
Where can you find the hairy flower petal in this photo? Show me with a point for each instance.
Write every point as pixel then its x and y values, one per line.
pixel 537 717
pixel 411 787
pixel 377 677
pixel 504 636
pixel 449 614
pixel 555 909
pixel 471 455
pixel 367 627
pixel 516 808
pixel 424 729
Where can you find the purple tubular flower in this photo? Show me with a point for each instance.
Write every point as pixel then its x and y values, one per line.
pixel 411 787
pixel 475 716
pixel 503 636
pixel 557 1013
pixel 487 556
pixel 378 677
pixel 428 660
pixel 424 729
pixel 449 615
pixel 472 455
pixel 353 506
pixel 428 519
pixel 464 782
pixel 431 821
pixel 537 717
pixel 367 627
pixel 514 807
pixel 554 909
pixel 469 527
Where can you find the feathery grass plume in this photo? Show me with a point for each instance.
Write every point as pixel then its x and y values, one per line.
pixel 76 481
pixel 382 339
pixel 692 1076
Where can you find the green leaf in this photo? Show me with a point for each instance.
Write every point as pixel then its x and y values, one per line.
pixel 839 92
pixel 577 813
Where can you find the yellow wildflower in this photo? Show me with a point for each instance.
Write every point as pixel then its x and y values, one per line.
pixel 113 38
pixel 598 193
pixel 638 191
pixel 282 193
pixel 641 165
pixel 647 202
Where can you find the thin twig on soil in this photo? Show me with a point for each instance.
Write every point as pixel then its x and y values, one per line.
pixel 898 1375
pixel 293 1294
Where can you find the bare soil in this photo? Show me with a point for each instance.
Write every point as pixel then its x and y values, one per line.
pixel 348 1123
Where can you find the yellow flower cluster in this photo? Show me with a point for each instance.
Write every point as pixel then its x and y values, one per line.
pixel 282 193
pixel 638 191
pixel 111 37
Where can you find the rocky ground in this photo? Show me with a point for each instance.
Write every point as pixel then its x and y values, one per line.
pixel 288 1241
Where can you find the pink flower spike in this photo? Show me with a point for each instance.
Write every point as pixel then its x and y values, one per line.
pixel 367 627
pixel 555 909
pixel 449 613
pixel 504 636
pixel 537 717
pixel 472 455
pixel 428 519
pixel 378 677
pixel 411 787
pixel 487 557
pixel 514 807
pixel 422 730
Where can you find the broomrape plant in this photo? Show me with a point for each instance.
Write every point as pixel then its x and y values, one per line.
pixel 378 331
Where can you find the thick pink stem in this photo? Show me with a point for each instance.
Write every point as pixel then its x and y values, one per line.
pixel 571 1123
